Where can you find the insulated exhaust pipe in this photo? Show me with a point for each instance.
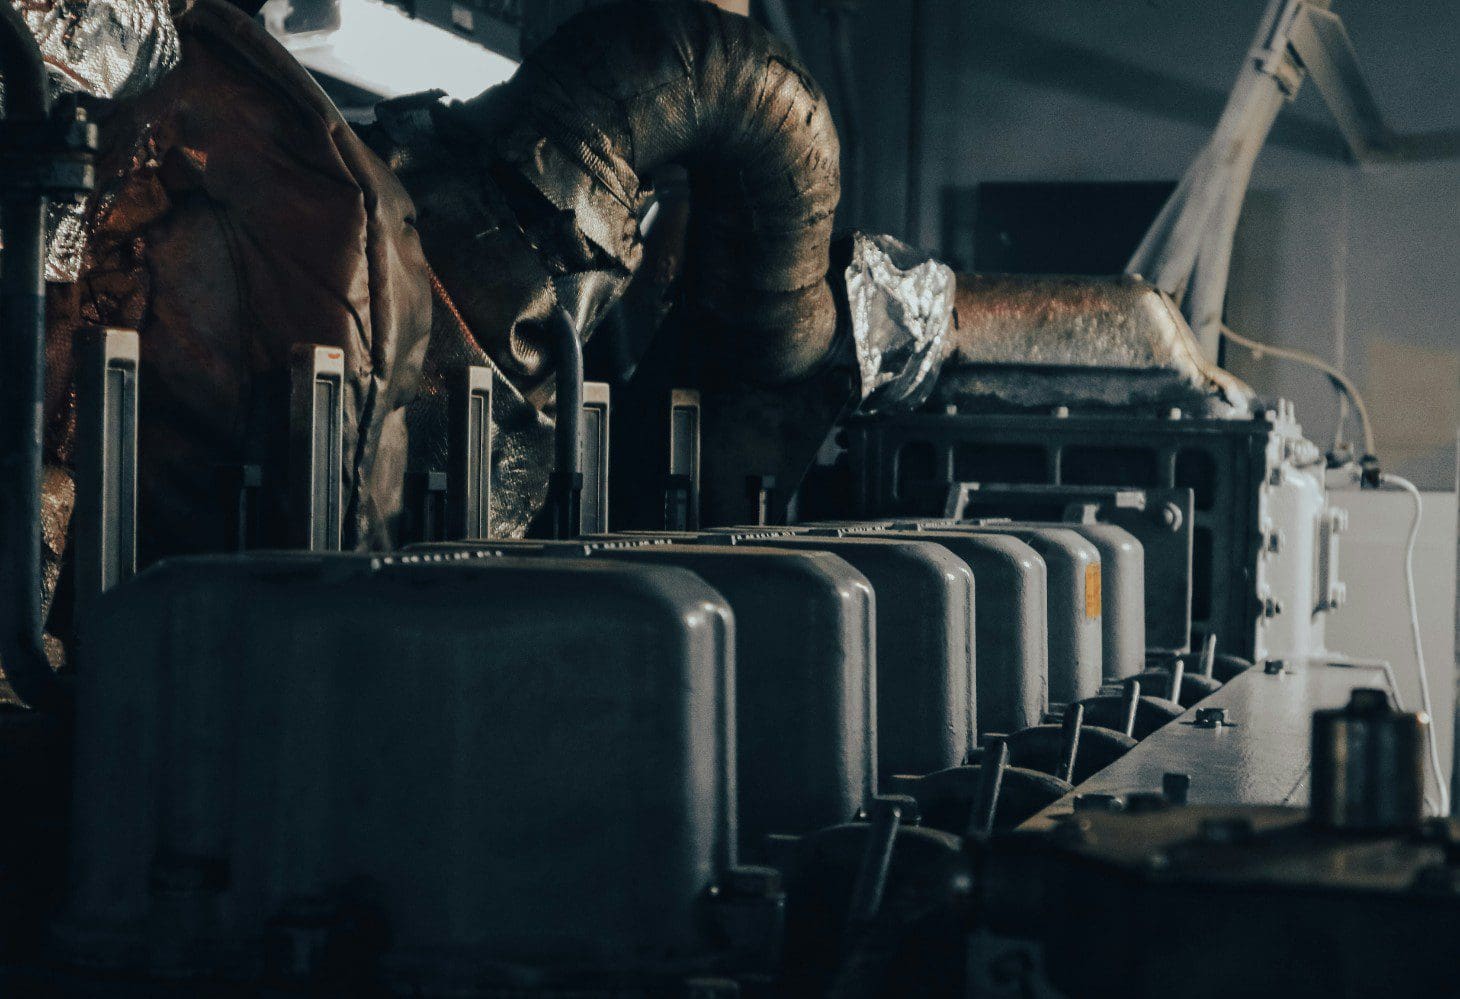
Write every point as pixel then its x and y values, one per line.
pixel 39 157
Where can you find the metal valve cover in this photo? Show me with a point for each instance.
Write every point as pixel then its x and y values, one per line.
pixel 925 647
pixel 508 761
pixel 1011 633
pixel 805 681
pixel 1075 597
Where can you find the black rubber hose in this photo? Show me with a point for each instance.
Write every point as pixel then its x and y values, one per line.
pixel 22 375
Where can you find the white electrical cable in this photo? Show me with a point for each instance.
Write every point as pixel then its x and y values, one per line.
pixel 1390 479
pixel 1344 383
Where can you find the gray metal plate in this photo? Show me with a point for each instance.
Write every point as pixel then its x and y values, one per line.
pixel 1260 758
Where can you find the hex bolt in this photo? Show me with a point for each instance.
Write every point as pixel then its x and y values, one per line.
pixel 1211 717
pixel 1275 667
pixel 1099 801
pixel 1176 787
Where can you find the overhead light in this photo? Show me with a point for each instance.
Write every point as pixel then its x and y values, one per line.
pixel 380 49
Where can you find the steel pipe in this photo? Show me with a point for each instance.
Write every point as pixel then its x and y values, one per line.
pixel 22 374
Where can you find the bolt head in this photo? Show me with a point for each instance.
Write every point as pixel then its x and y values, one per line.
pixel 1211 717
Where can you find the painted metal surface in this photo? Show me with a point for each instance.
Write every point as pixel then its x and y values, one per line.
pixel 925 646
pixel 1259 757
pixel 1042 341
pixel 471 738
pixel 1123 596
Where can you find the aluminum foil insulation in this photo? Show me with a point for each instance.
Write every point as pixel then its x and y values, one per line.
pixel 901 303
pixel 112 49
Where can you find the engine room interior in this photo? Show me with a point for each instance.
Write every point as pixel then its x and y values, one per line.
pixel 728 498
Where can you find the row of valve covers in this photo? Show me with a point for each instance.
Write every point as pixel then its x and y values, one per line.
pixel 668 759
pixel 543 754
pixel 790 760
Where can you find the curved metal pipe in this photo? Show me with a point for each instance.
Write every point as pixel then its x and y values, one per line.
pixel 566 483
pixel 618 92
pixel 22 374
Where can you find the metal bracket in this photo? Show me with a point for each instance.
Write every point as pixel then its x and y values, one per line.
pixel 316 446
pixel 469 462
pixel 595 457
pixel 682 484
pixel 105 460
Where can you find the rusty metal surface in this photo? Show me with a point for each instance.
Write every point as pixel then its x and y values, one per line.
pixel 1040 342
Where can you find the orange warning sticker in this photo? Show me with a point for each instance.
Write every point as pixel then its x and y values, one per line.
pixel 1092 590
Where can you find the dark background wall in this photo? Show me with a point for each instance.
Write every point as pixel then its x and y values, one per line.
pixel 1361 266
